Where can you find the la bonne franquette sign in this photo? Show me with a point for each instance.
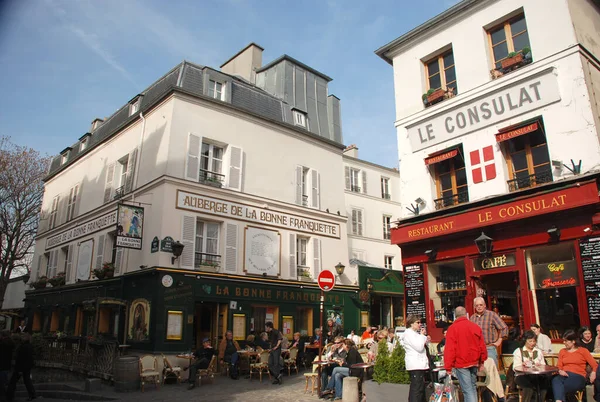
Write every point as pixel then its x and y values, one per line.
pixel 507 103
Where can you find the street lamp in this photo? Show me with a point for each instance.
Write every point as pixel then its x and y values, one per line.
pixel 177 249
pixel 339 268
pixel 484 244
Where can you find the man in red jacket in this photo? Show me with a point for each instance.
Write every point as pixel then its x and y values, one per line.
pixel 465 351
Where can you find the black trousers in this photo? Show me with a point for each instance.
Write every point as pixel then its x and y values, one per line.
pixel 199 365
pixel 416 392
pixel 12 384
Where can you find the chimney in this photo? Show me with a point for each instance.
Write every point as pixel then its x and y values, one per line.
pixel 245 62
pixel 351 150
pixel 97 122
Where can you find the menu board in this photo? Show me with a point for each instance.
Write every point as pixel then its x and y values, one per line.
pixel 414 290
pixel 590 263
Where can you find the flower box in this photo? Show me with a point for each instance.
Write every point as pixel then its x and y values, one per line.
pixel 435 96
pixel 511 61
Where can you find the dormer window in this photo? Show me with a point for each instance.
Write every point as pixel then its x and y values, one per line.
pixel 64 155
pixel 216 89
pixel 299 118
pixel 134 105
pixel 84 141
pixel 83 144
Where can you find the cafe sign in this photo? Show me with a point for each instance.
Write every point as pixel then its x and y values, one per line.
pixel 499 261
pixel 556 274
pixel 580 194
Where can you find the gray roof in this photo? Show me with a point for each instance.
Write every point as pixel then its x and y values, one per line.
pixel 188 78
pixel 299 63
pixel 426 26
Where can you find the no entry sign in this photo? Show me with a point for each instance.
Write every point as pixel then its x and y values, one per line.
pixel 326 280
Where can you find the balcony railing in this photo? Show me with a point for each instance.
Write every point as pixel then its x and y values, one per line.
pixel 451 200
pixel 305 200
pixel 386 196
pixel 207 260
pixel 304 274
pixel 387 234
pixel 529 181
pixel 211 178
pixel 119 192
pixel 355 189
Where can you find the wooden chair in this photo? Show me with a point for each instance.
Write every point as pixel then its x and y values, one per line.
pixel 507 363
pixel 149 371
pixel 482 382
pixel 551 359
pixel 170 370
pixel 313 377
pixel 290 362
pixel 208 372
pixel 261 366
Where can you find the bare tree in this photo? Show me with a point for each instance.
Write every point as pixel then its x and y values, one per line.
pixel 21 192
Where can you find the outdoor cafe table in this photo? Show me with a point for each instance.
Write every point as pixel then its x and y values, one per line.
pixel 189 356
pixel 538 371
pixel 321 364
pixel 364 366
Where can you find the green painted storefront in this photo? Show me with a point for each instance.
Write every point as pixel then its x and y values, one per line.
pixel 382 296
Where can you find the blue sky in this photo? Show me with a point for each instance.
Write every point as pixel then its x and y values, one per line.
pixel 64 62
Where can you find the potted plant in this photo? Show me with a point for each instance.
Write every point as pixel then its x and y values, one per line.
pixel 526 52
pixel 512 59
pixel 107 271
pixel 304 275
pixel 389 374
pixel 40 283
pixel 58 280
pixel 433 95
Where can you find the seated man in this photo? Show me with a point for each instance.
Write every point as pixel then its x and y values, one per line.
pixel 228 353
pixel 203 357
pixel 334 386
pixel 336 353
pixel 298 343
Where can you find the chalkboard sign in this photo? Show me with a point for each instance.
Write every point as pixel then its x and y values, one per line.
pixel 414 288
pixel 590 264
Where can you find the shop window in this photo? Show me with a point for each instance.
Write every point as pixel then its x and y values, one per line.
pixel 37 322
pixel 508 39
pixel 447 289
pixel 451 181
pixel 104 320
pixel 527 156
pixel 304 321
pixel 54 321
pixel 441 78
pixel 555 277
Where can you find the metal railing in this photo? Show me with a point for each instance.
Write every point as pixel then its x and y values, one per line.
pixel 529 181
pixel 386 196
pixel 305 200
pixel 451 200
pixel 119 192
pixel 207 260
pixel 355 189
pixel 211 178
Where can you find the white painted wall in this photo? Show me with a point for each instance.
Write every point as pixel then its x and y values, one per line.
pixel 14 296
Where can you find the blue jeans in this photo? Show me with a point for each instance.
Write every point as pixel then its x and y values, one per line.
pixel 467 377
pixel 233 360
pixel 563 385
pixel 337 379
pixel 493 353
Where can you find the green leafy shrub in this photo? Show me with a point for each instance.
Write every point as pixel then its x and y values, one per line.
pixel 390 368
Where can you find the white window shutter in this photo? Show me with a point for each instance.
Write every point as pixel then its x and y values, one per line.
pixel 54 257
pixel 188 239
pixel 231 246
pixel 39 267
pixel 347 175
pixel 192 163
pixel 108 186
pixel 316 257
pixel 299 170
pixel 119 259
pixel 78 193
pixel 293 262
pixel 100 252
pixel 364 182
pixel 315 194
pixel 359 220
pixel 236 162
pixel 69 263
pixel 130 170
pixel 63 203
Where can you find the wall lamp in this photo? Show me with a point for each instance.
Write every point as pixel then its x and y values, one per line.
pixel 339 268
pixel 554 233
pixel 177 249
pixel 431 254
pixel 484 244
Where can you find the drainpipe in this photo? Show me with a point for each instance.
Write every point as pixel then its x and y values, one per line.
pixel 139 157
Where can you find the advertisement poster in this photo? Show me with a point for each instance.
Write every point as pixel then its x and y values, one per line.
pixel 130 225
pixel 139 320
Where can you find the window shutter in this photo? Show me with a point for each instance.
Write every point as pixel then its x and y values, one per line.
pixel 316 257
pixel 347 174
pixel 364 182
pixel 315 202
pixel 108 187
pixel 359 222
pixel 100 252
pixel 299 185
pixel 231 245
pixel 236 156
pixel 188 238
pixel 118 259
pixel 63 203
pixel 293 262
pixel 130 170
pixel 39 267
pixel 69 263
pixel 54 258
pixel 192 164
pixel 77 193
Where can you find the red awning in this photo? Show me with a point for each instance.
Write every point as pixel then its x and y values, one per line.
pixel 440 156
pixel 507 134
pixel 596 219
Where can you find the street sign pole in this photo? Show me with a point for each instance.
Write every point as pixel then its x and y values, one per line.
pixel 326 281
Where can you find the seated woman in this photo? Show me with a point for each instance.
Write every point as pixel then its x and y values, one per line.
pixel 529 356
pixel 334 386
pixel 263 341
pixel 250 342
pixel 586 338
pixel 543 341
pixel 572 361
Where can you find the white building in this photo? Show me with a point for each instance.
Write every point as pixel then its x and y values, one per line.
pixel 512 117
pixel 244 166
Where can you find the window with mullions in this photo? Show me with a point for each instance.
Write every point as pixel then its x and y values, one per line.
pixel 211 162
pixel 207 244
pixel 441 73
pixel 510 36
pixel 528 160
pixel 451 182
